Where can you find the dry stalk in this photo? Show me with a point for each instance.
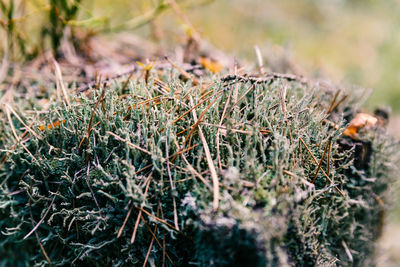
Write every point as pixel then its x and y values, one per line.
pixel 210 162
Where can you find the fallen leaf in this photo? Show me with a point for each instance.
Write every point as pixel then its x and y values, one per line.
pixel 212 66
pixel 361 120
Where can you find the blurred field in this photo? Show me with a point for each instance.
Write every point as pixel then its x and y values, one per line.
pixel 346 40
pixel 355 41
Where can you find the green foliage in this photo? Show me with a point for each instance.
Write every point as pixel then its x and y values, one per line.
pixel 15 39
pixel 269 213
pixel 60 13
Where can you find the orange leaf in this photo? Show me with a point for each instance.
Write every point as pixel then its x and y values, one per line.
pixel 212 66
pixel 361 120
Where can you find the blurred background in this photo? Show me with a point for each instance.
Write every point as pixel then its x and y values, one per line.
pixel 352 42
pixel 356 41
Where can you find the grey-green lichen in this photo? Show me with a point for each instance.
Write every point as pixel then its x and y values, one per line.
pixel 76 193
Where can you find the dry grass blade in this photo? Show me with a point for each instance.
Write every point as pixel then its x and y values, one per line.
pixel 36 234
pixel 147 183
pixel 282 94
pixel 144 168
pixel 42 219
pixel 89 130
pixel 5 155
pixel 329 161
pixel 333 105
pixel 259 59
pixel 90 187
pixel 185 74
pixel 28 128
pixel 129 143
pixel 60 82
pixel 164 252
pixel 347 250
pixel 18 140
pixel 136 227
pixel 171 183
pixel 125 85
pixel 174 156
pixel 219 129
pixel 210 162
pixel 339 102
pixel 329 157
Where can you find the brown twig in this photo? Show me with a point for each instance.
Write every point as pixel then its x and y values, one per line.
pixel 126 219
pixel 192 170
pixel 333 102
pixel 320 162
pixel 173 157
pixel 158 219
pixel 316 162
pixel 155 237
pixel 266 79
pixel 151 243
pixel 247 91
pixel 194 126
pixel 195 106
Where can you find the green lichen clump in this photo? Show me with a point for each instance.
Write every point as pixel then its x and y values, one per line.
pixel 77 193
